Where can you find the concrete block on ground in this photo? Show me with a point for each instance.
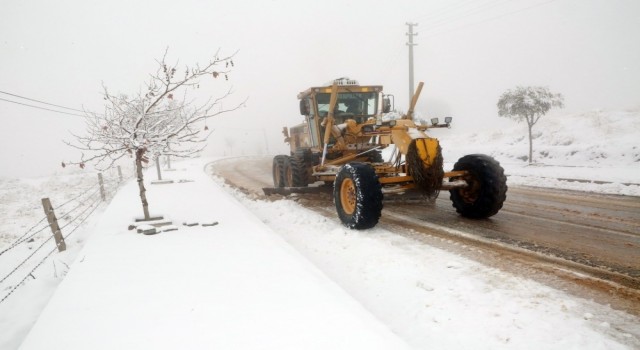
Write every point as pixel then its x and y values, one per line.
pixel 146 229
pixel 168 228
pixel 159 223
pixel 153 218
pixel 161 182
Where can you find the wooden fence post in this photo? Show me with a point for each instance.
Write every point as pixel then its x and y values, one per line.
pixel 120 173
pixel 53 223
pixel 102 193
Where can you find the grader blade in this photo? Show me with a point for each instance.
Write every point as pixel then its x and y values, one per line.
pixel 285 191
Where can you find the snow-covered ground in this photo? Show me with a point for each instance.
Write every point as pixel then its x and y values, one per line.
pixel 596 146
pixel 26 242
pixel 235 284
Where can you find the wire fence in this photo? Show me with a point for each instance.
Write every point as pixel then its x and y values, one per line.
pixel 28 235
pixel 74 213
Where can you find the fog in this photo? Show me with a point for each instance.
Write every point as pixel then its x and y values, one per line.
pixel 468 54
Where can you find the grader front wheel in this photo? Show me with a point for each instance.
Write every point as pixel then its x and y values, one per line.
pixel 358 196
pixel 486 188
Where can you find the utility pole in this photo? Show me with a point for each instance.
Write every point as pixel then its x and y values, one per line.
pixel 411 34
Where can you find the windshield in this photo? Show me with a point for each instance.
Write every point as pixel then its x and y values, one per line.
pixel 349 103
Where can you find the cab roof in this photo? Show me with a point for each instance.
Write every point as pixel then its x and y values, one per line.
pixel 344 85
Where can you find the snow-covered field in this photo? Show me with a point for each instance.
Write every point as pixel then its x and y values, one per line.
pixel 427 297
pixel 26 241
pixel 596 146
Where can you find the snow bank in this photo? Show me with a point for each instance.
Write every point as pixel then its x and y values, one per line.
pixel 593 147
pixel 595 138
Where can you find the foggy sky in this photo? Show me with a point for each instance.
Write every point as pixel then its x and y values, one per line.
pixel 468 53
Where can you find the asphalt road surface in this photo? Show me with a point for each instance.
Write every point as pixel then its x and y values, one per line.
pixel 587 244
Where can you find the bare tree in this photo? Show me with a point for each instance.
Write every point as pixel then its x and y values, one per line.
pixel 155 121
pixel 230 142
pixel 528 104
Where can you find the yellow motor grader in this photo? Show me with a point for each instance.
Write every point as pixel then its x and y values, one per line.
pixel 340 142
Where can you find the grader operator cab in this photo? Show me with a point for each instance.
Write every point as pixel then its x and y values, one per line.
pixel 346 127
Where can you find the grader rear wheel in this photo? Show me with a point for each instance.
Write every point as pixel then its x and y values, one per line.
pixel 358 196
pixel 296 172
pixel 288 172
pixel 278 170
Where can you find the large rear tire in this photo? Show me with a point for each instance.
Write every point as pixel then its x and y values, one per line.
pixel 358 196
pixel 486 188
pixel 298 164
pixel 288 176
pixel 279 170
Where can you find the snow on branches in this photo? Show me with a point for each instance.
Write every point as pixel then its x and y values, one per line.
pixel 529 104
pixel 155 121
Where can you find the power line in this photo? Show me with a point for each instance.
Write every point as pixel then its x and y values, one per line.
pixel 46 103
pixel 492 18
pixel 443 12
pixel 464 13
pixel 46 109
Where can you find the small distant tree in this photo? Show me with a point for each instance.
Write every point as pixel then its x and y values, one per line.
pixel 230 142
pixel 159 120
pixel 528 104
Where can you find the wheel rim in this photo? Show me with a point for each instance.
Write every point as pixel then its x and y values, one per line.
pixel 348 196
